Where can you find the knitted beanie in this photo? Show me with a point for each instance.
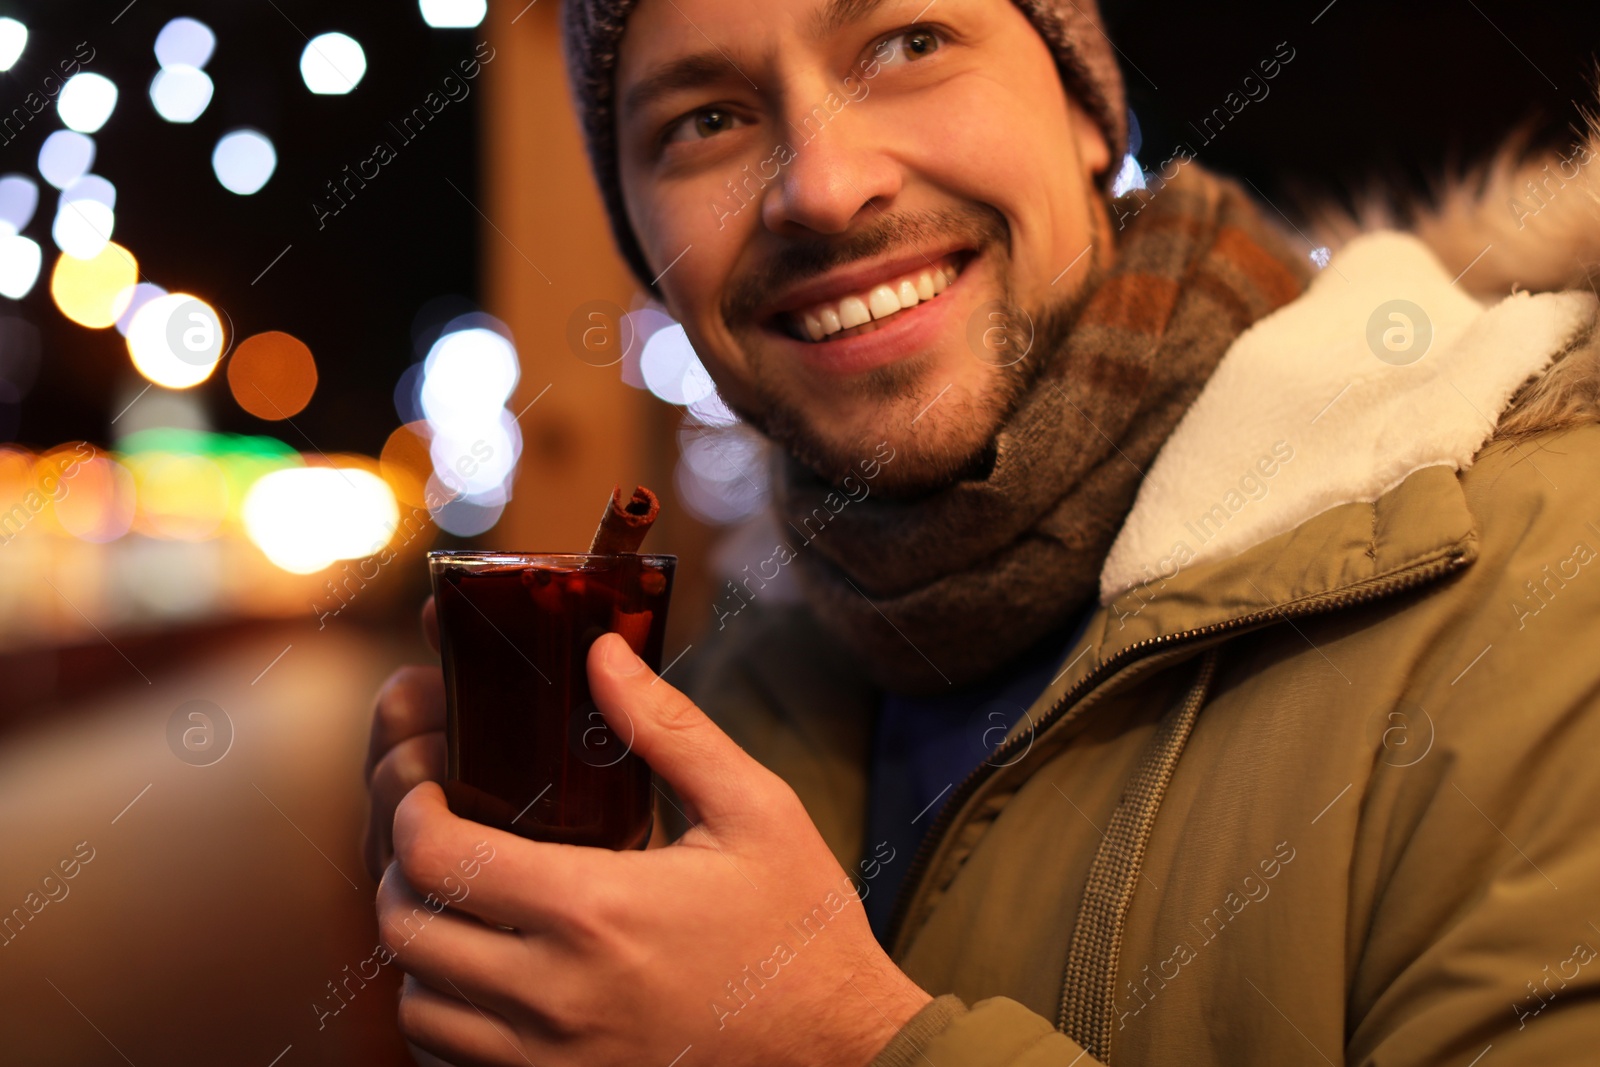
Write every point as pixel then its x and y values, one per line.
pixel 592 36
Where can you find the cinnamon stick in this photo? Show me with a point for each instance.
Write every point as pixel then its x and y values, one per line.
pixel 625 523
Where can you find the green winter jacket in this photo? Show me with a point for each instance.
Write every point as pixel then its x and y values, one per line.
pixel 1317 785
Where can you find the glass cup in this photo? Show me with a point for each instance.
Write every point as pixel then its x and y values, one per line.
pixel 528 751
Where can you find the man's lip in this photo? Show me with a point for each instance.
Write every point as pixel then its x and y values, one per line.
pixel 855 278
pixel 899 337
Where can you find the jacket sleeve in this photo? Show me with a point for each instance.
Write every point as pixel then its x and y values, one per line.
pixel 996 1032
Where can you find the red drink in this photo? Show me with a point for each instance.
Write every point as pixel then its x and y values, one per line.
pixel 528 751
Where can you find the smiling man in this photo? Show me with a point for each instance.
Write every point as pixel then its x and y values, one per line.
pixel 1204 674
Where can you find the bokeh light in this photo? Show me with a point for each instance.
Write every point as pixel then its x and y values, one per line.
pixel 721 476
pixel 461 516
pixel 94 292
pixel 13 39
pixel 141 295
pixel 406 463
pixel 181 93
pixel 476 461
pixel 65 157
pixel 86 101
pixel 83 228
pixel 176 340
pixel 91 187
pixel 243 161
pixel 332 64
pixel 20 260
pixel 306 519
pixel 272 375
pixel 100 501
pixel 453 14
pixel 672 370
pixel 182 497
pixel 185 42
pixel 19 198
pixel 467 377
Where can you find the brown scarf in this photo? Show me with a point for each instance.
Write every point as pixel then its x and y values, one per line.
pixel 946 589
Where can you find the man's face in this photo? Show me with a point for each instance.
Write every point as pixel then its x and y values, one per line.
pixel 807 164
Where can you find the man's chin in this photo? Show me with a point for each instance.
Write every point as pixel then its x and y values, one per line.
pixel 896 463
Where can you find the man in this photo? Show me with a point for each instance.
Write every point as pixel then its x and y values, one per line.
pixel 1195 663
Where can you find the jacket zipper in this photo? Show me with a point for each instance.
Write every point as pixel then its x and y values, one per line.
pixel 1372 589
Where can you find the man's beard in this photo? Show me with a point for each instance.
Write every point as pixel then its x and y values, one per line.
pixel 1026 344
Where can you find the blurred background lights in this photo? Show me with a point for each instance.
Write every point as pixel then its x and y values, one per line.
pixel 82 229
pixel 185 42
pixel 461 516
pixel 332 63
pixel 453 14
pixel 180 93
pixel 672 370
pixel 182 496
pixel 305 519
pixel 272 375
pixel 65 157
pixel 244 160
pixel 86 101
pixel 91 187
pixel 20 259
pixel 476 464
pixel 13 39
pixel 406 464
pixel 167 337
pixel 721 476
pixel 141 295
pixel 408 394
pixel 100 506
pixel 643 324
pixel 473 441
pixel 94 292
pixel 467 378
pixel 19 197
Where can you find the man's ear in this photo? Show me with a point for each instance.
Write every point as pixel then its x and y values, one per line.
pixel 1093 151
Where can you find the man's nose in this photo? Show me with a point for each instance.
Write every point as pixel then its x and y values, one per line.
pixel 838 170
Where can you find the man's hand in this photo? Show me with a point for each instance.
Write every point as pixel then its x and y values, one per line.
pixel 407 745
pixel 744 938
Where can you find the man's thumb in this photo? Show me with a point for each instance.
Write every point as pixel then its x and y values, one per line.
pixel 717 780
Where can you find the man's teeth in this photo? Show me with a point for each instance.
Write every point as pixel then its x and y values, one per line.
pixel 881 301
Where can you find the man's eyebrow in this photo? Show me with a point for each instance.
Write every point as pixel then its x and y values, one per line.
pixel 686 72
pixel 841 13
pixel 712 65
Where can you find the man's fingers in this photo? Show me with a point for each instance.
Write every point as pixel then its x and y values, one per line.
pixel 403 767
pixel 508 880
pixel 457 1032
pixel 441 945
pixel 410 703
pixel 717 780
pixel 430 623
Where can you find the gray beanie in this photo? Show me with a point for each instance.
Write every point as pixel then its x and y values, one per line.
pixel 592 34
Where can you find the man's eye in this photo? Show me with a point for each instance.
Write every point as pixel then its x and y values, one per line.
pixel 908 45
pixel 699 125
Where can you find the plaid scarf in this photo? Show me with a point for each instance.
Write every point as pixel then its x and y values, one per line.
pixel 949 588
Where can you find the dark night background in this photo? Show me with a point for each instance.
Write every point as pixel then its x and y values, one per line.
pixel 349 290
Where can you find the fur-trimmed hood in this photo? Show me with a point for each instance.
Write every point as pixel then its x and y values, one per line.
pixel 1409 350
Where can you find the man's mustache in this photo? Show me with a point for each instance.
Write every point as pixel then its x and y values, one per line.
pixel 977 227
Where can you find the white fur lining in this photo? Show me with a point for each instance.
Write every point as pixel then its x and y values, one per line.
pixel 1305 382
